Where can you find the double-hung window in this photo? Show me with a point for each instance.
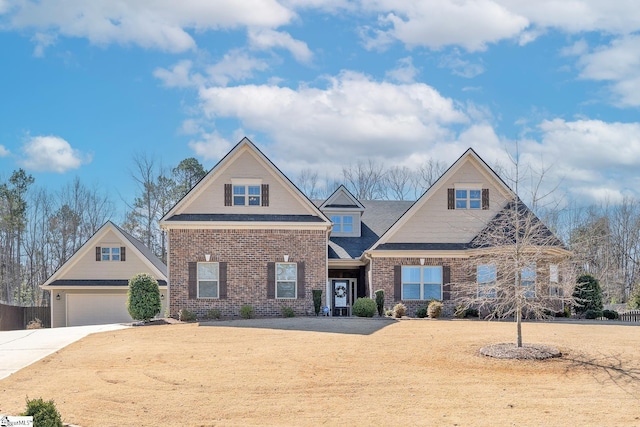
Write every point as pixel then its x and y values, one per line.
pixel 246 195
pixel 421 282
pixel 487 281
pixel 342 223
pixel 208 280
pixel 468 199
pixel 110 254
pixel 286 280
pixel 555 290
pixel 528 280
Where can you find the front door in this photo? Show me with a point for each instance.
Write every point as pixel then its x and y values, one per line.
pixel 340 297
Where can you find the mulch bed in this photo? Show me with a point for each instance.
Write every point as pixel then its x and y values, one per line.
pixel 527 351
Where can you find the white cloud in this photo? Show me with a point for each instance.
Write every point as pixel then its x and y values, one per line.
pixel 352 116
pixel 235 65
pixel 593 158
pixel 619 63
pixel 435 24
pixel 266 39
pixel 459 66
pixel 179 75
pixel 51 154
pixel 147 23
pixel 405 71
pixel 211 146
pixel 42 41
pixel 4 152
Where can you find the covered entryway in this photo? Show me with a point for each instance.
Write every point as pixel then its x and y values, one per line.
pixel 97 309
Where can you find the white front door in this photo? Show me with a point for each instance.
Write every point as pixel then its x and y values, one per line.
pixel 340 297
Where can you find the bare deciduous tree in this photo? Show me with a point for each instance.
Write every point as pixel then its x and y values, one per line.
pixel 365 179
pixel 397 182
pixel 519 267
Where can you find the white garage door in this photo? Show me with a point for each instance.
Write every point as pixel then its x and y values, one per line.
pixel 93 309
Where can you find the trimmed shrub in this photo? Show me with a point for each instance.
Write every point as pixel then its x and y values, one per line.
pixel 388 312
pixel 143 297
pixel 380 301
pixel 463 312
pixel 421 312
pixel 364 307
pixel 185 315
pixel 592 314
pixel 247 312
pixel 44 413
pixel 288 312
pixel 399 310
pixel 434 310
pixel 214 313
pixel 588 294
pixel 610 314
pixel 317 300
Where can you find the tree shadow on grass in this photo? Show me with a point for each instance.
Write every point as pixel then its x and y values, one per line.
pixel 335 325
pixel 623 371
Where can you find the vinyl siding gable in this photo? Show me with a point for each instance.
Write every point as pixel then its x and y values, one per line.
pixel 437 222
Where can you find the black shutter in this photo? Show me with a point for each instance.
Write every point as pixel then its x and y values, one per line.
pixel 123 253
pixel 222 280
pixel 271 280
pixel 397 282
pixel 446 283
pixel 265 194
pixel 98 253
pixel 301 284
pixel 485 198
pixel 193 280
pixel 228 198
pixel 451 198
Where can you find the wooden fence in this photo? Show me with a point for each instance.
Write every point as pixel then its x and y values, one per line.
pixel 630 316
pixel 14 317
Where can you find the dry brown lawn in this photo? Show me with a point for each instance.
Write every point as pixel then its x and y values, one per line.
pixel 324 371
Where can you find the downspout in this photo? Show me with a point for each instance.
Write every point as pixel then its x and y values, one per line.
pixel 368 257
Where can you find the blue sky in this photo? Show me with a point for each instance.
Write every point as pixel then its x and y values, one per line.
pixel 322 83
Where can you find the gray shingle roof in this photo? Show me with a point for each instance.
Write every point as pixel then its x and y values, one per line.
pixel 377 217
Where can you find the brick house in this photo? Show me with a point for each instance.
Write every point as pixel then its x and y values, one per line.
pixel 245 234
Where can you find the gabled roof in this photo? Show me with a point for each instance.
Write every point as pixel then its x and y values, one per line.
pixel 377 217
pixel 157 267
pixel 501 230
pixel 176 213
pixel 469 155
pixel 342 199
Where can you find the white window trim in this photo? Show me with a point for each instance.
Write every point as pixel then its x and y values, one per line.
pixel 422 282
pixel 208 280
pixel 340 224
pixel 110 255
pixel 246 183
pixel 491 283
pixel 295 281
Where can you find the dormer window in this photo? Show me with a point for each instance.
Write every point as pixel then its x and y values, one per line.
pixel 342 223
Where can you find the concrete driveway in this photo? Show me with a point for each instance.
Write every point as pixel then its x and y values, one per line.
pixel 22 348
